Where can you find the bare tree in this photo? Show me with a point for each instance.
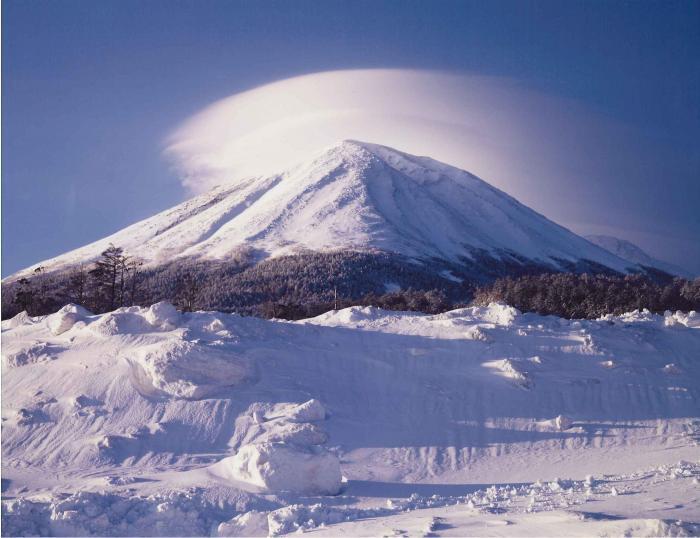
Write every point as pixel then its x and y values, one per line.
pixel 187 292
pixel 77 289
pixel 106 275
pixel 133 274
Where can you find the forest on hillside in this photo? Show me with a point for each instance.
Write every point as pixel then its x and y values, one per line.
pixel 310 283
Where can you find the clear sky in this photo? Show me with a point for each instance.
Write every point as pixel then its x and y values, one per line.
pixel 91 90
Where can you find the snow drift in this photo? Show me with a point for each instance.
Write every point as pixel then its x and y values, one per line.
pixel 152 421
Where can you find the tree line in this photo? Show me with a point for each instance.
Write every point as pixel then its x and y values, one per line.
pixel 310 283
pixel 571 295
pixel 294 286
pixel 111 282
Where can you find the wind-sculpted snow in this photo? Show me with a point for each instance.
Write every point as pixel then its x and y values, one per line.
pixel 284 451
pixel 359 196
pixel 152 421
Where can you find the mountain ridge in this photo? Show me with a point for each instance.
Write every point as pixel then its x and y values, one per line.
pixel 635 254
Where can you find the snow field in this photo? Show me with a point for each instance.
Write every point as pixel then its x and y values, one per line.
pixel 147 421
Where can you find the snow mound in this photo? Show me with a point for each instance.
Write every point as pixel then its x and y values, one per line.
pixel 690 319
pixel 65 318
pixel 163 315
pixel 497 313
pixel 285 467
pixel 17 321
pixel 298 434
pixel 122 321
pixel 283 452
pixel 186 370
pixel 351 315
pixel 253 523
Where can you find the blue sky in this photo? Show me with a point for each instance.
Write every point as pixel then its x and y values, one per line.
pixel 90 91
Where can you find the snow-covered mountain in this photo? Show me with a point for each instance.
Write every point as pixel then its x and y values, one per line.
pixel 629 251
pixel 362 196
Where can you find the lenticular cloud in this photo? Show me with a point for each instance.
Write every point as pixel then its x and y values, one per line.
pixel 482 124
pixel 551 153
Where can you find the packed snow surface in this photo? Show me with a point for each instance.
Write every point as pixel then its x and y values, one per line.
pixel 354 195
pixel 360 422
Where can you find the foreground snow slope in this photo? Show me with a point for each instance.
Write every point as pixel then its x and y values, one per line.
pixel 355 195
pixel 150 421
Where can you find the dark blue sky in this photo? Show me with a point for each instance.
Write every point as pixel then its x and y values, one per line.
pixel 90 89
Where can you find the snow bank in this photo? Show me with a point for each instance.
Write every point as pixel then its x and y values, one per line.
pixel 476 333
pixel 297 518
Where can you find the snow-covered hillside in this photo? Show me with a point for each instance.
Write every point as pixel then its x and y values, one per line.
pixel 479 421
pixel 355 196
pixel 634 254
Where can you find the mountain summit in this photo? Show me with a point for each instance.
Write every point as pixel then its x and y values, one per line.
pixel 358 196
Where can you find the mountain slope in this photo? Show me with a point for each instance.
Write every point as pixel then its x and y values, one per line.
pixel 629 251
pixel 356 196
